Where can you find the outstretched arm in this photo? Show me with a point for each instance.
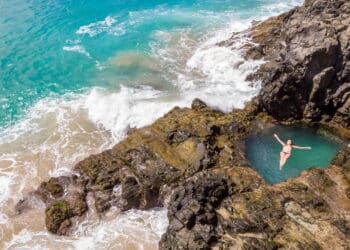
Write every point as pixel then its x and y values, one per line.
pixel 298 147
pixel 278 139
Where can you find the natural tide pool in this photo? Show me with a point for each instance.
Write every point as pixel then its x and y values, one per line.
pixel 263 151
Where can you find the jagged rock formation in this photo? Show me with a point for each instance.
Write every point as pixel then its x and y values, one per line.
pixel 141 171
pixel 309 212
pixel 192 159
pixel 307 73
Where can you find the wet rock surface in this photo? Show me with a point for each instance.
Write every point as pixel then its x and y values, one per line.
pixel 192 160
pixel 143 170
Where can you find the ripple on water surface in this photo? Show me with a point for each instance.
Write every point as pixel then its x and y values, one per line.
pixel 263 151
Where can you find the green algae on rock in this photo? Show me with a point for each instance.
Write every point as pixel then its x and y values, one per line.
pixel 56 213
pixel 51 187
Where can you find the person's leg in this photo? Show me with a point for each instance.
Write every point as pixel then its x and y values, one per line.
pixel 284 158
pixel 281 160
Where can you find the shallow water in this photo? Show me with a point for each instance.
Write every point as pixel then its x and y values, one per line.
pixel 75 75
pixel 263 151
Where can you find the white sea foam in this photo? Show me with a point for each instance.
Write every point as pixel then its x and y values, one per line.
pixel 127 108
pixel 108 25
pixel 55 135
pixel 205 69
pixel 5 184
pixel 133 229
pixel 220 65
pixel 78 49
pixel 99 65
pixel 37 240
pixel 276 8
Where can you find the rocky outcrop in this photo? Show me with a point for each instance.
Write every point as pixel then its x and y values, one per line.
pixel 192 160
pixel 307 70
pixel 142 170
pixel 65 199
pixel 193 219
pixel 299 214
pixel 308 212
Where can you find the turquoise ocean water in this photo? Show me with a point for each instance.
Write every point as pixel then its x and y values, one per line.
pixel 49 48
pixel 76 75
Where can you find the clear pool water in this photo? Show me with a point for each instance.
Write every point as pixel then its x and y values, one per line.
pixel 263 151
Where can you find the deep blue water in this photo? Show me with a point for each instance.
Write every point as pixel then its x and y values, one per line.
pixel 263 151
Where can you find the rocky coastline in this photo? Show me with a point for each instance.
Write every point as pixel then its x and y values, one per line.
pixel 192 160
pixel 308 69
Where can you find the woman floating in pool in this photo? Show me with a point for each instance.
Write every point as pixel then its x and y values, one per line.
pixel 286 150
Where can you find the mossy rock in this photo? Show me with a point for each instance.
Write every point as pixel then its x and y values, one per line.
pixel 101 169
pixel 263 30
pixel 56 213
pixel 190 152
pixel 53 187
